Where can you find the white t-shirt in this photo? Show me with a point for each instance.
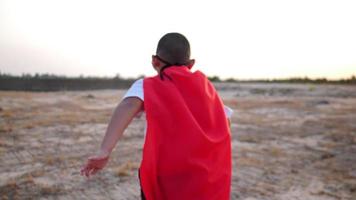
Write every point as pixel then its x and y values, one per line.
pixel 136 90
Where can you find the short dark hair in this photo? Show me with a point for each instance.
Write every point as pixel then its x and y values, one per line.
pixel 174 48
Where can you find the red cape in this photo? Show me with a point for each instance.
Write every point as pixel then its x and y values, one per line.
pixel 187 150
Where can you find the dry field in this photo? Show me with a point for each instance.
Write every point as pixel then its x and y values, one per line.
pixel 289 142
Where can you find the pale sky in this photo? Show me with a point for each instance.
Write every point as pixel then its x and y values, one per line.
pixel 240 39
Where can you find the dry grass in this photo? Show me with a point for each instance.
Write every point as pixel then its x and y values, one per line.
pixel 127 168
pixel 27 185
pixel 8 114
pixel 38 173
pixel 11 183
pixel 50 159
pixel 276 152
pixel 249 161
pixel 46 189
pixel 278 143
pixel 249 139
pixel 5 128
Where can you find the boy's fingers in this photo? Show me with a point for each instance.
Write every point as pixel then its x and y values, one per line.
pixel 93 165
pixel 92 171
pixel 82 170
pixel 95 170
pixel 85 170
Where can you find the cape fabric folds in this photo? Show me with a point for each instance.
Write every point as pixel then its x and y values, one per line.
pixel 187 149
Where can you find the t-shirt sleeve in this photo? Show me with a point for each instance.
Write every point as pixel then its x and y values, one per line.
pixel 136 90
pixel 228 111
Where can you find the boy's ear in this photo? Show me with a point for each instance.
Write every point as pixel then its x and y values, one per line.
pixel 155 62
pixel 191 63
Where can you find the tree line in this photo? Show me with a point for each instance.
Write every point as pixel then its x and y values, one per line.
pixel 51 82
pixel 351 80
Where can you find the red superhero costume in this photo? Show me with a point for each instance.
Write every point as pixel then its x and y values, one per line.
pixel 187 150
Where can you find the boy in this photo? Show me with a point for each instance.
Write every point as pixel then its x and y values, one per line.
pixel 187 150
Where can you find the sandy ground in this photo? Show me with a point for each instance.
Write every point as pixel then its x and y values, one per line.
pixel 289 142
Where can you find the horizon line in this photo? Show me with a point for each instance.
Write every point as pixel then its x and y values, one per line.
pixel 117 75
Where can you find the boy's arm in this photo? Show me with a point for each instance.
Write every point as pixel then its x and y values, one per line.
pixel 120 119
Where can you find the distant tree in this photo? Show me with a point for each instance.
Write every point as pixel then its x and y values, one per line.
pixel 321 80
pixel 214 78
pixel 231 80
pixel 118 76
pixel 140 76
pixel 26 75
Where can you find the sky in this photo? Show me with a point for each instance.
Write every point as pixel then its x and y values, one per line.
pixel 239 39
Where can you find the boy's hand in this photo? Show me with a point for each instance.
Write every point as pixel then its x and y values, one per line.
pixel 121 118
pixel 95 163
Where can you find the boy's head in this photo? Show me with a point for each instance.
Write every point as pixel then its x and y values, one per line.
pixel 172 49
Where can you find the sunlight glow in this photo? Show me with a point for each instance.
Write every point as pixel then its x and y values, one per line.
pixel 240 39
